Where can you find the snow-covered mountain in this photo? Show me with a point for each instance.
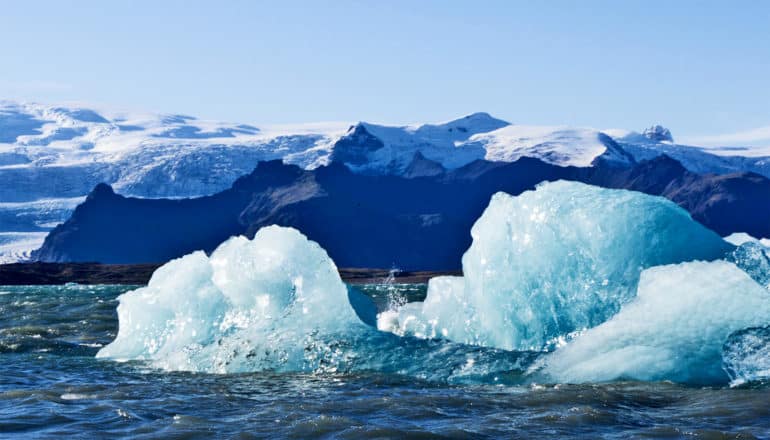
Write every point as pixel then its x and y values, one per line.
pixel 52 156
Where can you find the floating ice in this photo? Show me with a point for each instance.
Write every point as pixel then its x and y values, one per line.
pixel 754 259
pixel 254 304
pixel 746 355
pixel 277 303
pixel 673 330
pixel 739 238
pixel 553 261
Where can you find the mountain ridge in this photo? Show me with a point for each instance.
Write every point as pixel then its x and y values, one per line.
pixel 419 223
pixel 52 156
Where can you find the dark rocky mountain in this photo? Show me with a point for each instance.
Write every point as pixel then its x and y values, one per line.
pixel 419 223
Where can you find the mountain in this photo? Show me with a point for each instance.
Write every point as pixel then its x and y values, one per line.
pixel 52 156
pixel 364 220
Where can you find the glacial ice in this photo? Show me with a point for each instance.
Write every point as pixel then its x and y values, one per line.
pixel 746 355
pixel 277 303
pixel 754 259
pixel 252 305
pixel 673 330
pixel 554 261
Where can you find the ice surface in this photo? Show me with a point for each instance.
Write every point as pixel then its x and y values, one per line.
pixel 553 261
pixel 754 259
pixel 673 330
pixel 746 355
pixel 254 304
pixel 18 246
pixel 557 145
pixel 739 238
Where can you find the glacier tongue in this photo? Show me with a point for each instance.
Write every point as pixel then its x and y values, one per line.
pixel 673 330
pixel 553 261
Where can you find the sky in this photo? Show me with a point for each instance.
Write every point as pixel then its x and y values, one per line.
pixel 700 68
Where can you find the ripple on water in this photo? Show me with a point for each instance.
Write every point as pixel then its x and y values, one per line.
pixel 66 392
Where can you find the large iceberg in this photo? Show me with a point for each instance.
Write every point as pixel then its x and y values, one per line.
pixel 554 261
pixel 674 329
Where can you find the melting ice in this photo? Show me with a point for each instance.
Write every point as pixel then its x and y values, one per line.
pixel 553 261
pixel 674 329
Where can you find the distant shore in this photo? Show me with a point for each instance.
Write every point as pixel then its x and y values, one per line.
pixel 95 273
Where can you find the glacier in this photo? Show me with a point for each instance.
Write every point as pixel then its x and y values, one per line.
pixel 59 153
pixel 554 261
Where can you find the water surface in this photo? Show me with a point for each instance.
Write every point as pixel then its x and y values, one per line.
pixel 52 386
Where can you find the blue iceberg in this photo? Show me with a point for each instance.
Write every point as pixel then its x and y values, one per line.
pixel 252 305
pixel 554 261
pixel 674 329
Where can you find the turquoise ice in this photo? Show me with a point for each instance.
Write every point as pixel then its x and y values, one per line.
pixel 674 329
pixel 549 262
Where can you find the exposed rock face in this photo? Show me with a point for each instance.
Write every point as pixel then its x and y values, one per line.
pixel 418 223
pixel 355 147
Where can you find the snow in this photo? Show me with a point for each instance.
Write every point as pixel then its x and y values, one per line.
pixel 63 151
pixel 556 145
pixel 553 261
pixel 673 330
pixel 17 246
pixel 702 160
pixel 443 143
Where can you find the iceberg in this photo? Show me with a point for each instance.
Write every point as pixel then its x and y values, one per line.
pixel 554 261
pixel 252 305
pixel 674 329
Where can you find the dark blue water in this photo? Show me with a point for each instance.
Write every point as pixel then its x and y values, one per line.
pixel 52 386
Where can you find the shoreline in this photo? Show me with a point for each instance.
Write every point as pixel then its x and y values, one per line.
pixel 35 274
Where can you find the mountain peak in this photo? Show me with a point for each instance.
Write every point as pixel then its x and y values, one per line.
pixel 101 190
pixel 658 133
pixel 479 122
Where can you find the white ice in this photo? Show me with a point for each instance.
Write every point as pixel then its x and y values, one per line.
pixel 673 330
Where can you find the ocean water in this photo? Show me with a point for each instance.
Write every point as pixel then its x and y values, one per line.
pixel 51 385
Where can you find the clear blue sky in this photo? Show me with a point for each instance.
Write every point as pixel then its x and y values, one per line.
pixel 698 67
